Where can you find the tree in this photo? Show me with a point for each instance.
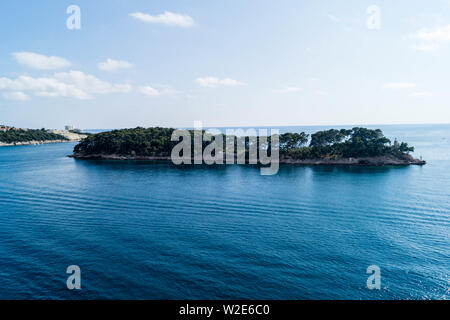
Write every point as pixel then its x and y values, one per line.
pixel 328 137
pixel 289 141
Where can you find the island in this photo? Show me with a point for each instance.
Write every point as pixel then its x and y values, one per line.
pixel 10 136
pixel 357 146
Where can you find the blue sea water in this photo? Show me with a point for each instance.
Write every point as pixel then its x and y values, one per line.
pixel 141 230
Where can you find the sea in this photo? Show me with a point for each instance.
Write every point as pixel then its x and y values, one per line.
pixel 146 230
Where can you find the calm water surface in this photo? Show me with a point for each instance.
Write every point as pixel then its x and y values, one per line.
pixel 155 231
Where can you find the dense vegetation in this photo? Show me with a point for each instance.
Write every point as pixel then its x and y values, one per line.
pixel 139 141
pixel 356 142
pixel 12 136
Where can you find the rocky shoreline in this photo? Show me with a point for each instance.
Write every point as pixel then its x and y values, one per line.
pixel 31 143
pixel 389 160
pixel 71 137
pixel 116 157
pixel 403 160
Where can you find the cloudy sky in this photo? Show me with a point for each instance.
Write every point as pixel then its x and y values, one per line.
pixel 226 63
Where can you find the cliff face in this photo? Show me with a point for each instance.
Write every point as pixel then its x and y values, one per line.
pixel 401 160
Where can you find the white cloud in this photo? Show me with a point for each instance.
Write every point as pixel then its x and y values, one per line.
pixel 111 65
pixel 431 38
pixel 149 91
pixel 427 47
pixel 16 95
pixel 168 18
pixel 399 85
pixel 91 84
pixel 46 86
pixel 231 82
pixel 438 34
pixel 288 90
pixel 213 82
pixel 73 84
pixel 153 92
pixel 421 94
pixel 39 61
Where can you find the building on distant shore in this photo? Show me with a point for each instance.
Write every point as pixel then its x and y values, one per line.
pixel 72 129
pixel 6 128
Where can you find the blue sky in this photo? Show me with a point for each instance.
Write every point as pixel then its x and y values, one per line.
pixel 226 63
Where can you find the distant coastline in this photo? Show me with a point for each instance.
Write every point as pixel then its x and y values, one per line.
pixel 10 136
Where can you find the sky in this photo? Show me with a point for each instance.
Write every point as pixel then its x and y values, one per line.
pixel 225 63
